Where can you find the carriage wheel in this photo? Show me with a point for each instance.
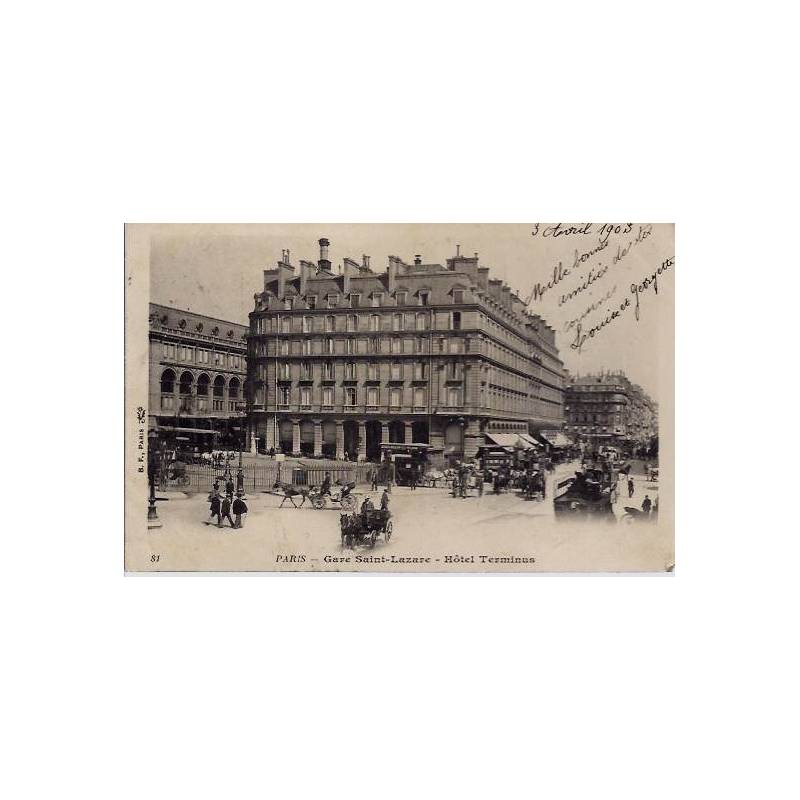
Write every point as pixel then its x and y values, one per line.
pixel 349 504
pixel 388 531
pixel 318 502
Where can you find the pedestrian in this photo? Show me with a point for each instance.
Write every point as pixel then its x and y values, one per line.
pixel 239 509
pixel 374 478
pixel 240 480
pixel 390 476
pixel 479 478
pixel 215 488
pixel 226 512
pixel 215 508
pixel 413 478
pixel 630 487
pixel 646 504
pixel 385 501
pixel 229 486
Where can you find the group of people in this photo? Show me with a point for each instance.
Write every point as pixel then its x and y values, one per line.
pixel 368 505
pixel 222 507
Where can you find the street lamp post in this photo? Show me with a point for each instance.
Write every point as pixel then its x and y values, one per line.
pixel 152 514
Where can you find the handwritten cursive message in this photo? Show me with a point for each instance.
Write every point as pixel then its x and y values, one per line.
pixel 636 289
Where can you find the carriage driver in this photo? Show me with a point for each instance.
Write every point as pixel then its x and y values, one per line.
pixel 326 485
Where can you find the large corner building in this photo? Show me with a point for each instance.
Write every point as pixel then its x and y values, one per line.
pixel 342 361
pixel 197 372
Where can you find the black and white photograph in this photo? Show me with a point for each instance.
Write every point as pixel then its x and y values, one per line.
pixel 404 397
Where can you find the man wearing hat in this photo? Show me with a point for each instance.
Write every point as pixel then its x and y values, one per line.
pixel 215 508
pixel 226 512
pixel 239 508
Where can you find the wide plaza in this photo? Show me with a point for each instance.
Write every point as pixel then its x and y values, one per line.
pixel 432 530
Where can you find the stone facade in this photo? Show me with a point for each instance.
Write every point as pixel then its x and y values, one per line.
pixel 198 369
pixel 610 409
pixel 340 362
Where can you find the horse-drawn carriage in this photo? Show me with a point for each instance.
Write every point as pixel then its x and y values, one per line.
pixel 590 493
pixel 366 527
pixel 338 493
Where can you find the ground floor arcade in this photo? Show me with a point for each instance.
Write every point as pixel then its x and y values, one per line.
pixel 452 438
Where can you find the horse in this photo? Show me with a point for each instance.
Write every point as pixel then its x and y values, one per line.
pixel 626 470
pixel 290 492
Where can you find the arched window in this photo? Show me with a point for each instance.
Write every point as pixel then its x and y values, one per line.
pixel 233 389
pixel 187 380
pixel 219 386
pixel 202 385
pixel 167 381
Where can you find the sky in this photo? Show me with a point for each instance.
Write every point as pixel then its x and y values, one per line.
pixel 216 269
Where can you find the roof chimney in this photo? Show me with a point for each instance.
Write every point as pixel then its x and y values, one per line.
pixel 365 261
pixel 417 259
pixel 323 254
pixel 458 250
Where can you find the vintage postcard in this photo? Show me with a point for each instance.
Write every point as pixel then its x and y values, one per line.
pixel 400 397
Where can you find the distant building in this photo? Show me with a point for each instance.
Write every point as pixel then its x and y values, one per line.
pixel 346 361
pixel 197 373
pixel 609 409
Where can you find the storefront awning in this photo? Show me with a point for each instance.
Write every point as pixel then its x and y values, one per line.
pixel 185 430
pixel 555 438
pixel 509 440
pixel 528 442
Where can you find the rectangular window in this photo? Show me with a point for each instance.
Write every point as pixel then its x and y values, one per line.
pixel 397 322
pixel 284 372
pixel 306 371
pixel 374 322
pixel 355 300
pixel 420 371
pixel 397 370
pixel 453 396
pixel 377 299
pixel 284 348
pixel 372 372
pixel 458 296
pixel 395 397
pixel 330 324
pixel 401 298
pixel 306 348
pixel 329 346
pixel 218 359
pixel 283 395
pixel 419 397
pixel 424 298
pixel 333 300
pixel 312 301
pixel 452 371
pixel 327 396
pixel 375 344
pixel 286 325
pixel 419 345
pixel 456 321
pixel 372 396
pixel 305 396
pixel 351 347
pixel 327 370
pixel 307 324
pixel 350 396
pixel 350 371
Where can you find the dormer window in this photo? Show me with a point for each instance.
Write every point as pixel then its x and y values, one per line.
pixel 288 303
pixel 424 298
pixel 312 301
pixel 377 299
pixel 333 300
pixel 458 296
pixel 401 298
pixel 355 300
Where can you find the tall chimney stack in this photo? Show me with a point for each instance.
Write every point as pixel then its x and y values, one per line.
pixel 417 259
pixel 323 254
